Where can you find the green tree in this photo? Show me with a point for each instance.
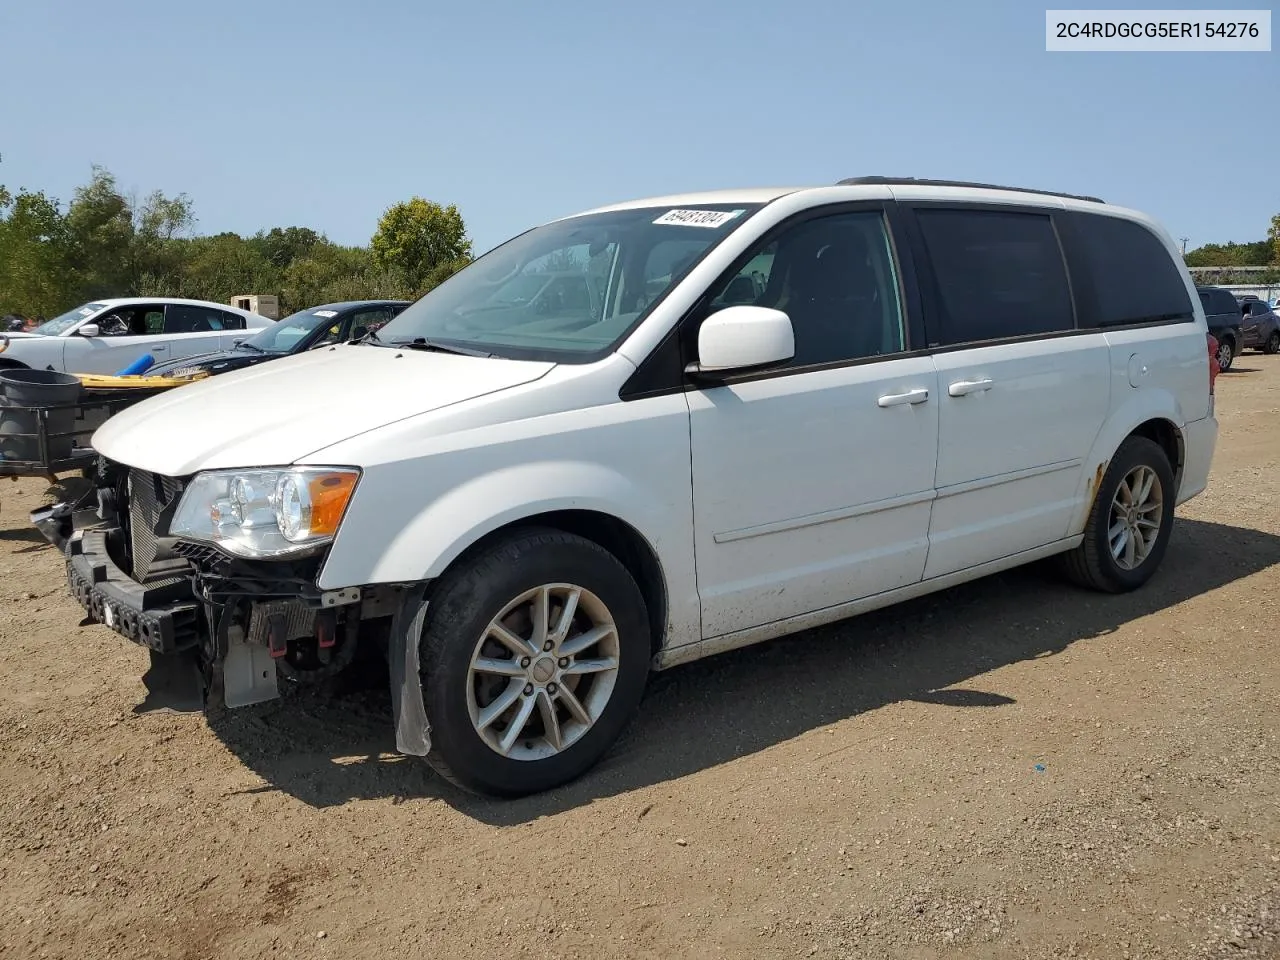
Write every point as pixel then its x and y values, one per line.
pixel 1274 234
pixel 280 247
pixel 33 254
pixel 422 242
pixel 156 253
pixel 218 268
pixel 100 228
pixel 1257 254
pixel 105 243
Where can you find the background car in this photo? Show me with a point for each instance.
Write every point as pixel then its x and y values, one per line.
pixel 1260 327
pixel 304 330
pixel 1222 313
pixel 107 335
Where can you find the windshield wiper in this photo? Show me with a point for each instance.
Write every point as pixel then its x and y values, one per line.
pixel 245 344
pixel 422 343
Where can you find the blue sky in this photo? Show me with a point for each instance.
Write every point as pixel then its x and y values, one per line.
pixel 323 113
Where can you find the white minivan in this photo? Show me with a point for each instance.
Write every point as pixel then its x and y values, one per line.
pixel 766 410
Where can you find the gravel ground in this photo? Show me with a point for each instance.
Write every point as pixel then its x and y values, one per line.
pixel 1011 769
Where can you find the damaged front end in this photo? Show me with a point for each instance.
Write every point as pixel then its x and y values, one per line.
pixel 223 631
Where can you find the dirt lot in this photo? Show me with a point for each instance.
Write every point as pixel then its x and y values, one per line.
pixel 1014 768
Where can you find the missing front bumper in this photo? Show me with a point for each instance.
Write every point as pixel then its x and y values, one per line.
pixel 164 617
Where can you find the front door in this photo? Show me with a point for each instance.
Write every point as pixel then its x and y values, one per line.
pixel 812 483
pixel 1022 394
pixel 125 333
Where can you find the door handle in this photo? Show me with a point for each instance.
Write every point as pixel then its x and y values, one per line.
pixel 962 388
pixel 911 396
pixel 159 348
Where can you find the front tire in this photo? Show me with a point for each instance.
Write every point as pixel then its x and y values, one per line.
pixel 534 658
pixel 1129 524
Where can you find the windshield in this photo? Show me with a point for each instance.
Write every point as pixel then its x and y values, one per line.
pixel 283 335
pixel 58 325
pixel 568 290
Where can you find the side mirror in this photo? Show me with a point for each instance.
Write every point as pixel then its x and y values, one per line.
pixel 740 338
pixel 89 330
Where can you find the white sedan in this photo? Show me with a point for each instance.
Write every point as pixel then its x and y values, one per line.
pixel 106 336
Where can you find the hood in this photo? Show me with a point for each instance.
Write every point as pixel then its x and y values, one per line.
pixel 275 413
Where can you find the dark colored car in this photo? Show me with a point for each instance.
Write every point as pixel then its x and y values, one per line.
pixel 301 331
pixel 1222 312
pixel 1261 326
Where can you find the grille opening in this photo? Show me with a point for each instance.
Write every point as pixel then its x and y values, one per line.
pixel 148 496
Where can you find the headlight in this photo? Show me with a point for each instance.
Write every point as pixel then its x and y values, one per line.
pixel 265 513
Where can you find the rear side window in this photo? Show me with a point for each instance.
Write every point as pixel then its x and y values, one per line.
pixel 1134 277
pixel 999 274
pixel 1218 301
pixel 184 318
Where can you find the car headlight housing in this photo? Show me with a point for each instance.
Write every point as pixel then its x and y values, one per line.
pixel 261 514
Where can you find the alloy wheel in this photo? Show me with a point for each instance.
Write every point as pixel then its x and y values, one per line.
pixel 1137 510
pixel 542 672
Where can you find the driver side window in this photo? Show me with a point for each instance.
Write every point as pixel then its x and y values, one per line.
pixel 835 278
pixel 131 321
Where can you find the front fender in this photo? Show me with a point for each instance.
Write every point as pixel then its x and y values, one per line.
pixel 426 496
pixel 34 352
pixel 427 543
pixel 1138 408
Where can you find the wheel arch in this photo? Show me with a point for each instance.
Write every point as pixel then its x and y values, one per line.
pixel 1154 415
pixel 613 534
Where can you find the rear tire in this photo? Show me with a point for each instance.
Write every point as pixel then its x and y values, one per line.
pixel 1226 354
pixel 1273 343
pixel 1121 550
pixel 567 697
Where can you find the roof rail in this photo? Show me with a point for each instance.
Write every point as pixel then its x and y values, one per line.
pixel 914 181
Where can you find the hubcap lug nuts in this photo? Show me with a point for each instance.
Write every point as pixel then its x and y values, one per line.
pixel 524 662
pixel 551 688
pixel 547 645
pixel 528 689
pixel 564 662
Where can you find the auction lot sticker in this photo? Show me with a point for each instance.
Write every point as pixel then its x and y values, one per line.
pixel 1155 31
pixel 698 218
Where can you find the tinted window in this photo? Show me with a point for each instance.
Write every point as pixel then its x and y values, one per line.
pixel 232 321
pixel 835 278
pixel 1134 277
pixel 133 320
pixel 183 318
pixel 358 324
pixel 999 274
pixel 1218 301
